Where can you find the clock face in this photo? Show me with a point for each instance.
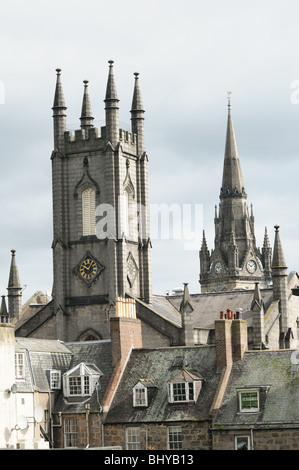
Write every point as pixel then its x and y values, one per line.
pixel 132 269
pixel 218 267
pixel 251 266
pixel 88 269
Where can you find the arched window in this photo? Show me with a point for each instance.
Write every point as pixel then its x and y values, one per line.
pixel 88 211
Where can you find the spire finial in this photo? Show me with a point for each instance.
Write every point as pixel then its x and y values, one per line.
pixel 86 111
pixel 228 100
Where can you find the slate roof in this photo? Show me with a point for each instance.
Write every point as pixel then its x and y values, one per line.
pixel 207 307
pixel 159 365
pixel 89 352
pixel 41 356
pixel 279 405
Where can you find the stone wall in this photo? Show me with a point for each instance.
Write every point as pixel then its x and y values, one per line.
pixel 153 436
pixel 262 439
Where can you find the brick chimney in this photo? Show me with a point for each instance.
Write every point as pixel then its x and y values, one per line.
pixel 125 330
pixel 230 339
pixel 125 333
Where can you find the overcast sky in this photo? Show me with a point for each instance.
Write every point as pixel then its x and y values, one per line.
pixel 189 54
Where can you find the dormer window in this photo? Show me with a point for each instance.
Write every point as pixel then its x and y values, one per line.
pixel 140 395
pixel 142 392
pixel 184 387
pixel 249 400
pixel 81 380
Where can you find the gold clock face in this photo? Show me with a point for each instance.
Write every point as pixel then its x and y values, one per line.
pixel 88 269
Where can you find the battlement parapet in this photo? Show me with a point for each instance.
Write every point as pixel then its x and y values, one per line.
pixel 81 139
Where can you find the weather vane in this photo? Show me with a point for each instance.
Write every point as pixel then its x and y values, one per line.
pixel 228 97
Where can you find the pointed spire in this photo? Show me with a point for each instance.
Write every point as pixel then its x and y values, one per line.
pixel 111 108
pixel 111 93
pixel 14 280
pixel 3 308
pixel 186 299
pixel 278 255
pixel 59 102
pixel 257 297
pixel 59 114
pixel 204 246
pixel 137 100
pixel 232 180
pixel 137 116
pixel 86 112
pixel 266 240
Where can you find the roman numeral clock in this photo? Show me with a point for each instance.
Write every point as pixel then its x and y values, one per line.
pixel 89 268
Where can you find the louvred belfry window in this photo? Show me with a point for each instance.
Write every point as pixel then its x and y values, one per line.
pixel 88 212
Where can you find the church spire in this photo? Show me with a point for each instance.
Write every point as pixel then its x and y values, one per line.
pixel 86 112
pixel 111 102
pixel 278 255
pixel 59 113
pixel 137 116
pixel 280 290
pixel 14 289
pixel 232 179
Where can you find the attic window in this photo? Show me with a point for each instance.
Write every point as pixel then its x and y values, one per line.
pixel 184 387
pixel 140 392
pixel 55 379
pixel 249 400
pixel 81 380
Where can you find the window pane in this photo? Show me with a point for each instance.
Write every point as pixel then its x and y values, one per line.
pixel 175 437
pixel 19 365
pixel 242 443
pixel 249 400
pixel 140 396
pixel 55 379
pixel 75 385
pixel 86 385
pixel 70 432
pixel 133 438
pixel 179 392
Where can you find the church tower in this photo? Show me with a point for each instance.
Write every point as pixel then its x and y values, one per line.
pixel 101 242
pixel 235 260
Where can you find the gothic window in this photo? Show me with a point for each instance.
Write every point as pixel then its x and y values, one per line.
pixel 88 211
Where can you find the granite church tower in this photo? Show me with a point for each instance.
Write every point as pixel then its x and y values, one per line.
pixel 235 262
pixel 101 242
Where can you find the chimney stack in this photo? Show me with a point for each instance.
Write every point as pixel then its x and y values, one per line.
pixel 230 339
pixel 125 330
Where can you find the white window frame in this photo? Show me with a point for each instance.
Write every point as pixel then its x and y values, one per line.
pixel 70 431
pixel 140 395
pixel 253 409
pixel 247 437
pixel 133 439
pixel 55 379
pixel 174 438
pixel 187 392
pixel 78 385
pixel 19 365
pixel 88 211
